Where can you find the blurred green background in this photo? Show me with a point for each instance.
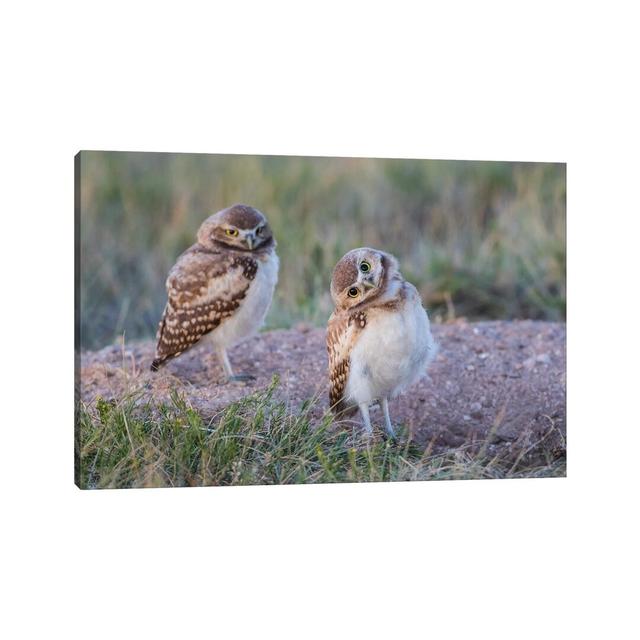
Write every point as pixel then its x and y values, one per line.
pixel 483 240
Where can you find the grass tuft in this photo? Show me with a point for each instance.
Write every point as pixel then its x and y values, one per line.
pixel 134 442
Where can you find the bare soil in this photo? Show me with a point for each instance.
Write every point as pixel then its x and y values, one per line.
pixel 499 386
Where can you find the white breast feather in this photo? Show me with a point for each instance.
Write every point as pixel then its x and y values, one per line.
pixel 392 353
pixel 250 315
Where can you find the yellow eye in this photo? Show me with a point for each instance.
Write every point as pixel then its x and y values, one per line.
pixel 353 292
pixel 231 232
pixel 365 267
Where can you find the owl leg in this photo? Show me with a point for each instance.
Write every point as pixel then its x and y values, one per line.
pixel 226 365
pixel 387 419
pixel 364 410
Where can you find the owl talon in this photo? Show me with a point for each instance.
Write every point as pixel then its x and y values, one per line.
pixel 241 377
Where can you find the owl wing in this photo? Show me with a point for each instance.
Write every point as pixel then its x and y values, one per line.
pixel 204 288
pixel 342 333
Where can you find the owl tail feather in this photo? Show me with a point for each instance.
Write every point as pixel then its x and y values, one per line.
pixel 341 409
pixel 157 363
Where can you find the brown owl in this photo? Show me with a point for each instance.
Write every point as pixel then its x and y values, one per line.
pixel 379 339
pixel 221 287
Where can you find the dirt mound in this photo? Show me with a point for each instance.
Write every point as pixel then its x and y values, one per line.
pixel 497 385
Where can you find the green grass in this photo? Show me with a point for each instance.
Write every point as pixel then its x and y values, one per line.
pixel 258 440
pixel 484 240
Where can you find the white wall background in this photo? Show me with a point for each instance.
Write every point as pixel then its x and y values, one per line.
pixel 492 80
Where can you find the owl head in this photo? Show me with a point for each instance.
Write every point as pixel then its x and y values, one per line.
pixel 239 226
pixel 361 276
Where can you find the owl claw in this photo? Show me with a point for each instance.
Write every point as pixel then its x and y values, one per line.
pixel 241 377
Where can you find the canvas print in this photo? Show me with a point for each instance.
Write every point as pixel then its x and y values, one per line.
pixel 275 320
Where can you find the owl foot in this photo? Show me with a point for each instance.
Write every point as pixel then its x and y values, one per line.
pixel 392 437
pixel 241 377
pixel 230 376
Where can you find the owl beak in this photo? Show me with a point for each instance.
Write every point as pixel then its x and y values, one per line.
pixel 251 240
pixel 368 283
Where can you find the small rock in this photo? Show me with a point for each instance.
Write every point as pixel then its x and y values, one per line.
pixel 466 418
pixel 476 410
pixel 543 358
pixel 470 367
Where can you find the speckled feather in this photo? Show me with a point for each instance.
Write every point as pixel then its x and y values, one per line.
pixel 342 333
pixel 204 288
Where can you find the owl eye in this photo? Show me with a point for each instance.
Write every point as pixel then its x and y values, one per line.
pixel 353 292
pixel 259 231
pixel 365 267
pixel 231 232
